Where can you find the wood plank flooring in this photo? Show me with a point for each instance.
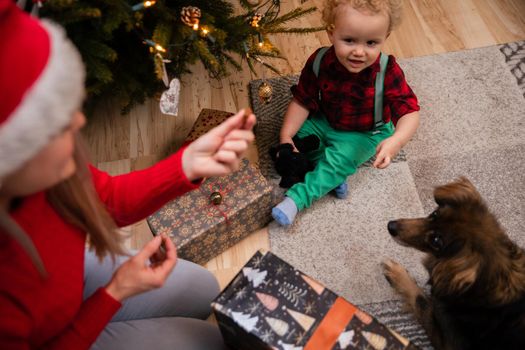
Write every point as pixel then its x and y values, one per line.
pixel 134 141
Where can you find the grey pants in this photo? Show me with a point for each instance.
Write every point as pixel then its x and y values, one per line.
pixel 172 317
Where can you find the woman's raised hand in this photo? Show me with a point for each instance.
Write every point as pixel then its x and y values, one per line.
pixel 219 151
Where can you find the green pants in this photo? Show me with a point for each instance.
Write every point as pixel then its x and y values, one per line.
pixel 339 155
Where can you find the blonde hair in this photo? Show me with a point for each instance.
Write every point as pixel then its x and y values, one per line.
pixel 392 8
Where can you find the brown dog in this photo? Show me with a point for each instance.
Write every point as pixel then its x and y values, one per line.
pixel 477 274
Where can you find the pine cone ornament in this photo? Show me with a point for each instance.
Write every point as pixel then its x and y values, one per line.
pixel 265 92
pixel 190 15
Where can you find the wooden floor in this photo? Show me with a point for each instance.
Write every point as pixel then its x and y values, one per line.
pixel 123 143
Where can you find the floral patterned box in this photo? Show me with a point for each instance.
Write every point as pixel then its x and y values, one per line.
pixel 206 221
pixel 271 305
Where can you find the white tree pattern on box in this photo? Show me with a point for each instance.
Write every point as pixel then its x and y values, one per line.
pixel 289 346
pixel 254 275
pixel 346 338
pixel 245 320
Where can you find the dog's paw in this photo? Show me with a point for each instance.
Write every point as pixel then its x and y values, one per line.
pixel 399 279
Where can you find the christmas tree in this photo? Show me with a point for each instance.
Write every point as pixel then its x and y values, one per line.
pixel 131 47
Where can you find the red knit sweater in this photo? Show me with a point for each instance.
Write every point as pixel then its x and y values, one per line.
pixel 37 313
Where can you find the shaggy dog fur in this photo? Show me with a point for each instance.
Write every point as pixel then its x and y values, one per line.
pixel 477 274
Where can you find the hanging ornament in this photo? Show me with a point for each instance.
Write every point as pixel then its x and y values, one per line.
pixel 254 22
pixel 169 101
pixel 190 16
pixel 265 92
pixel 37 5
pixel 160 68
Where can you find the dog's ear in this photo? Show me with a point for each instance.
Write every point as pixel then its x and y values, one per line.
pixel 454 276
pixel 456 193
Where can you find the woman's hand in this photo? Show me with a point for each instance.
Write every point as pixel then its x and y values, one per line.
pixel 219 151
pixel 145 271
pixel 386 151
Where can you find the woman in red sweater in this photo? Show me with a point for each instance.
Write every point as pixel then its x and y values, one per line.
pixel 53 292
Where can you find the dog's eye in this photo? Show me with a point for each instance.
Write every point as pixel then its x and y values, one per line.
pixel 436 241
pixel 433 215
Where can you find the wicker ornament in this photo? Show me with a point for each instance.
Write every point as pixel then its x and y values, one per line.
pixel 265 92
pixel 190 16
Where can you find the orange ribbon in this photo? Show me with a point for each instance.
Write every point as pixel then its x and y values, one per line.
pixel 332 325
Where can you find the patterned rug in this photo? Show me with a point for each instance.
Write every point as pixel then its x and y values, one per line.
pixel 472 119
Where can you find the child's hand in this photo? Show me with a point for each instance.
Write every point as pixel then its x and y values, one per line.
pixel 219 151
pixel 385 151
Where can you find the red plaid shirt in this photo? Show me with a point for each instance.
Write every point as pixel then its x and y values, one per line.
pixel 347 99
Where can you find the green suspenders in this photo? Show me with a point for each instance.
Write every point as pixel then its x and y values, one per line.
pixel 379 84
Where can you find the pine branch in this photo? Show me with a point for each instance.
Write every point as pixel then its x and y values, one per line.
pixel 295 30
pixel 233 62
pixel 292 15
pixel 77 15
pixel 110 38
pixel 99 50
pixel 245 4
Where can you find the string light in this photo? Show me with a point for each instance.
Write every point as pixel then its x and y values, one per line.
pixel 154 45
pixel 196 26
pixel 142 5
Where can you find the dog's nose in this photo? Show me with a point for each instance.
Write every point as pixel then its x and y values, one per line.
pixel 392 227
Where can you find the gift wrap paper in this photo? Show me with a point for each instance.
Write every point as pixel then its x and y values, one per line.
pixel 200 229
pixel 271 305
pixel 207 120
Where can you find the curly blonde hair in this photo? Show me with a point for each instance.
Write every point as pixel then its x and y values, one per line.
pixel 392 8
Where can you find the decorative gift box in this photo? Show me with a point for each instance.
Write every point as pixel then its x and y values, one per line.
pixel 207 120
pixel 271 305
pixel 223 210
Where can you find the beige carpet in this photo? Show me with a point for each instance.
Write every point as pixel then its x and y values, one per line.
pixel 472 124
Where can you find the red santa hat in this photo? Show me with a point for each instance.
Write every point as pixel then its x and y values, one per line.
pixel 41 85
